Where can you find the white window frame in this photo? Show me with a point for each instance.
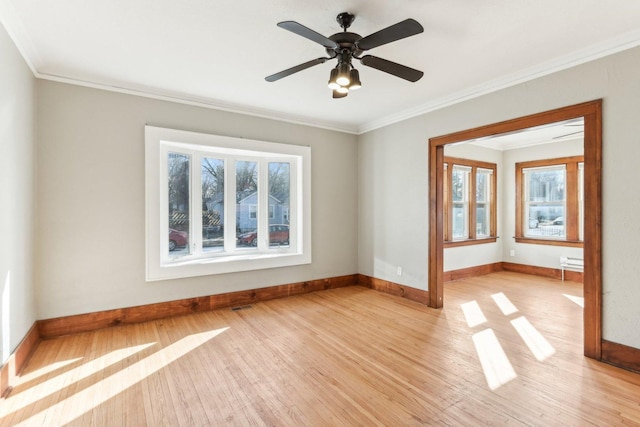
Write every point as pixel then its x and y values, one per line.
pixel 160 265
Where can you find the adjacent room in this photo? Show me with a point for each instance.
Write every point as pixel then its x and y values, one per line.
pixel 347 213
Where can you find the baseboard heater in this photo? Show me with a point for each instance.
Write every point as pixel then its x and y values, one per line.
pixel 570 263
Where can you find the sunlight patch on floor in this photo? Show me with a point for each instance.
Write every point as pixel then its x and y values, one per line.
pixel 91 397
pixel 577 300
pixel 25 378
pixel 495 363
pixel 473 313
pixel 538 345
pixel 21 399
pixel 504 304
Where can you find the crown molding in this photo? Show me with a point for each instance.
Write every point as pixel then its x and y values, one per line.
pixel 15 28
pixel 597 51
pixel 202 102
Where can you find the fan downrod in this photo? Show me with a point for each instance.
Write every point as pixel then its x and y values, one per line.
pixel 345 19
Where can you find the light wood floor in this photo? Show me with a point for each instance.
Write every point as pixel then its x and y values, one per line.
pixel 350 356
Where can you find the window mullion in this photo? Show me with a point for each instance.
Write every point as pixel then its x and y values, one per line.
pixel 493 202
pixel 472 202
pixel 571 202
pixel 581 200
pixel 263 205
pixel 527 204
pixel 448 205
pixel 230 205
pixel 196 204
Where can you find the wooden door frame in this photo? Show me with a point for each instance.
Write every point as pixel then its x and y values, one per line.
pixel 592 114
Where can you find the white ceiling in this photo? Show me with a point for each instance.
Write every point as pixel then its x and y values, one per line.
pixel 566 130
pixel 217 52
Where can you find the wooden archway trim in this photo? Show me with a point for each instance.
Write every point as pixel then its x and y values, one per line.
pixel 592 114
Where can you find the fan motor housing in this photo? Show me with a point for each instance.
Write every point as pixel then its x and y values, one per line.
pixel 345 40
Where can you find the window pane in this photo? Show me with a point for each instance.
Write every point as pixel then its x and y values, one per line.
pixel 482 185
pixel 459 185
pixel 546 185
pixel 212 204
pixel 460 221
pixel 246 203
pixel 279 195
pixel 178 171
pixel 545 221
pixel 482 219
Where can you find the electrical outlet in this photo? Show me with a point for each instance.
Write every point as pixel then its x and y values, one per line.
pixel 399 271
pixel 512 252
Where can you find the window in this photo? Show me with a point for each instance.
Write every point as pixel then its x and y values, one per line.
pixel 470 201
pixel 460 201
pixel 549 201
pixel 227 204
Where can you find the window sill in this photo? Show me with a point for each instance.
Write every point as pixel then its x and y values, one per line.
pixel 550 242
pixel 247 256
pixel 228 264
pixel 469 242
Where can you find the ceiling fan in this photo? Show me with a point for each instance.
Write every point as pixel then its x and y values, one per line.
pixel 346 46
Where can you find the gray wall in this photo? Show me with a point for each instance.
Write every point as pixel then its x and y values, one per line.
pixel 91 214
pixel 17 177
pixel 393 194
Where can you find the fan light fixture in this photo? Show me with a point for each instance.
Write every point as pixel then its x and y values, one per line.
pixel 333 84
pixel 354 76
pixel 343 74
pixel 342 79
pixel 347 46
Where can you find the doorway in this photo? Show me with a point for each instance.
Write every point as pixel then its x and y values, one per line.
pixel 591 112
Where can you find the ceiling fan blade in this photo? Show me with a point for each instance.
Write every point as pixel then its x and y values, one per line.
pixel 308 33
pixel 406 28
pixel 292 70
pixel 393 68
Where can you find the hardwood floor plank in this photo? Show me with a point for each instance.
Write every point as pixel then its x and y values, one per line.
pixel 346 356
